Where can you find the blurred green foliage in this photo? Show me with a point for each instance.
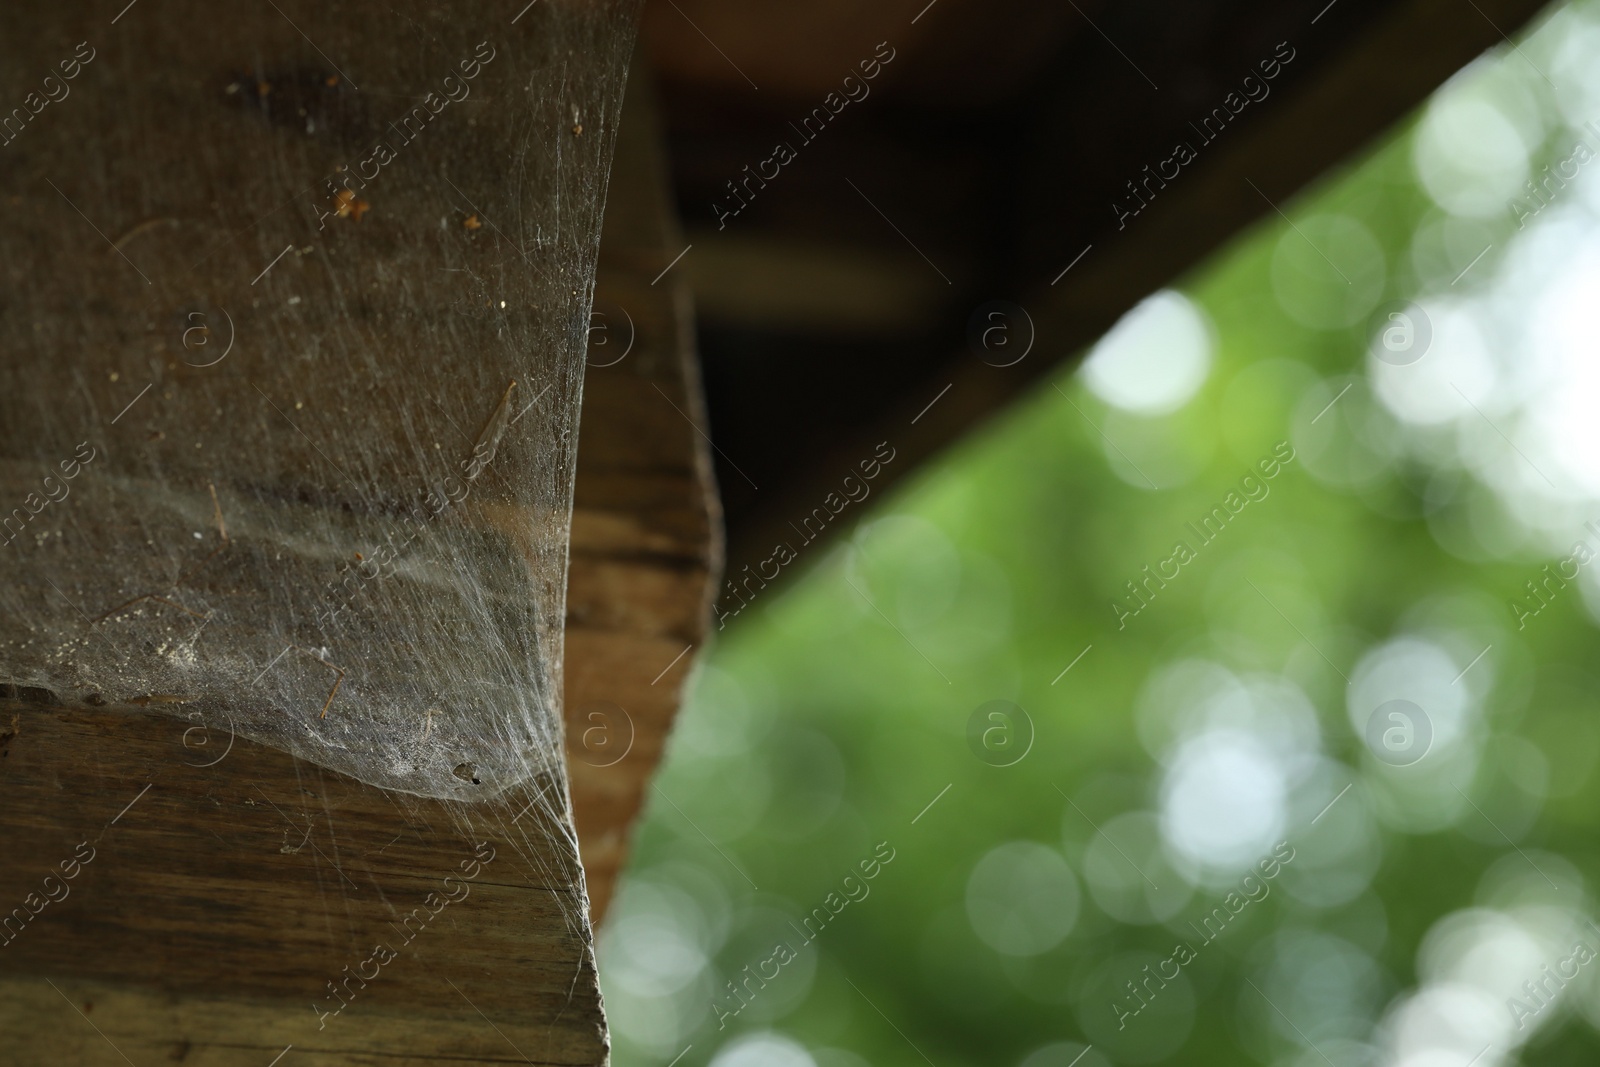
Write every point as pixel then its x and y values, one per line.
pixel 1377 564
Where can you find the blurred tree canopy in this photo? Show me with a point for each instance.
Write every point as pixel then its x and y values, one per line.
pixel 1291 576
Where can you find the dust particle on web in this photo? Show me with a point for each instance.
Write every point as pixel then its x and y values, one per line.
pixel 347 204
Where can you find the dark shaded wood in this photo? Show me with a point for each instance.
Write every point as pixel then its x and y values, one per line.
pixel 996 142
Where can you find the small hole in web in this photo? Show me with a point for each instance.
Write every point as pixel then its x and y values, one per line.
pixel 467 772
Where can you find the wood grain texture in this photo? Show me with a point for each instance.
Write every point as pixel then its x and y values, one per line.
pixel 227 901
pixel 392 439
pixel 646 524
pixel 199 912
pixel 230 883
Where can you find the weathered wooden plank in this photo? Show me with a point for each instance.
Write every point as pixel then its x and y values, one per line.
pixel 230 899
pixel 646 526
pixel 388 237
pixel 213 895
pixel 217 908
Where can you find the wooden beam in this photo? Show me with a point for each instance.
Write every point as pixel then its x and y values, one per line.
pixel 173 892
pixel 1358 94
pixel 646 525
pixel 184 876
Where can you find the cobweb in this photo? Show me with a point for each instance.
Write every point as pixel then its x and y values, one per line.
pixel 294 337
